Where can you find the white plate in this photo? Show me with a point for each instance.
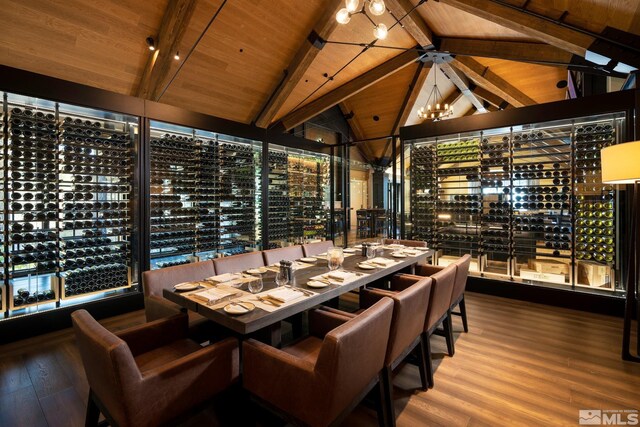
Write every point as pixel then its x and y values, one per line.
pixel 349 251
pixel 308 259
pixel 260 270
pixel 315 284
pixel 322 254
pixel 357 246
pixel 187 286
pixel 246 307
pixel 398 255
pixel 366 267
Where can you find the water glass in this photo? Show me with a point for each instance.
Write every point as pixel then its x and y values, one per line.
pixel 282 277
pixel 255 285
pixel 371 251
pixel 335 257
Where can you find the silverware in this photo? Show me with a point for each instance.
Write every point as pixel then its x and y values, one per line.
pixel 304 291
pixel 268 301
pixel 240 304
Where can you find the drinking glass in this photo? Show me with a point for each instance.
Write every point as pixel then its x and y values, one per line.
pixel 282 277
pixel 255 285
pixel 335 257
pixel 371 251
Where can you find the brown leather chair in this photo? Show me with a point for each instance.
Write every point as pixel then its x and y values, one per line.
pixel 438 311
pixel 457 297
pixel 320 379
pixel 311 249
pixel 150 374
pixel 155 281
pixel 290 253
pixel 408 243
pixel 409 311
pixel 237 263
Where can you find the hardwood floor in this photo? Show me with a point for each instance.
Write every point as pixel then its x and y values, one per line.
pixel 520 364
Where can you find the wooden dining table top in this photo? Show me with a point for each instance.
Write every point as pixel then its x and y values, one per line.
pixel 259 318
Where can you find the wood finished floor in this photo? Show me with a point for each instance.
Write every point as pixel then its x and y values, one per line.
pixel 520 364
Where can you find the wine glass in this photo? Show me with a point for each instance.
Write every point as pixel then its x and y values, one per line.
pixel 282 277
pixel 335 257
pixel 255 285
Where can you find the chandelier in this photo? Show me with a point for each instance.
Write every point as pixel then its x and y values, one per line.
pixel 435 110
pixel 376 8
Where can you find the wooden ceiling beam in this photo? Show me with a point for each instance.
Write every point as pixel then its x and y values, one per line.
pixel 490 97
pixel 412 22
pixel 300 63
pixel 413 92
pixel 453 97
pixel 511 50
pixel 461 81
pixel 544 30
pixel 174 24
pixel 348 89
pixel 483 76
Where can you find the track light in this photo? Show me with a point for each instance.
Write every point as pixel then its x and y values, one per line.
pixel 177 56
pixel 151 43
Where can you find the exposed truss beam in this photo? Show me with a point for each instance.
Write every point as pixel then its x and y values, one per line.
pixel 541 29
pixel 459 79
pixel 348 89
pixel 300 63
pixel 453 97
pixel 490 97
pixel 412 22
pixel 486 78
pixel 419 78
pixel 511 50
pixel 174 24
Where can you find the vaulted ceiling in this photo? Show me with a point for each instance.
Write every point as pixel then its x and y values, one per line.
pixel 281 62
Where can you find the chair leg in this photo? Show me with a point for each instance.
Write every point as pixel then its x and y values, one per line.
pixel 429 361
pixel 447 324
pixel 423 353
pixel 463 313
pixel 93 412
pixel 387 382
pixel 381 407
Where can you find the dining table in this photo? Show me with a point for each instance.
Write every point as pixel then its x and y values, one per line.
pixel 263 321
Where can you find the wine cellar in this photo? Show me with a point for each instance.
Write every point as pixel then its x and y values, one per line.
pixel 526 201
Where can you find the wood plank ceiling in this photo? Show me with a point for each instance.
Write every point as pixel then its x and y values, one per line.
pixel 234 54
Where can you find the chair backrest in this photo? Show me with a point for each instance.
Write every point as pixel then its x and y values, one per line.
pixel 154 281
pixel 290 253
pixel 351 356
pixel 409 312
pixel 312 249
pixel 408 243
pixel 460 282
pixel 237 263
pixel 441 290
pixel 110 367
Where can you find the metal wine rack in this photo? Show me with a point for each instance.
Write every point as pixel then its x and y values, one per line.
pixel 528 203
pixel 279 202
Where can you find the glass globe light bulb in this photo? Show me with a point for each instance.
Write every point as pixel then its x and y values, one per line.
pixel 343 16
pixel 380 32
pixel 377 7
pixel 352 5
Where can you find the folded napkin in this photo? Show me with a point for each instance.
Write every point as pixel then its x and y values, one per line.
pixel 411 252
pixel 381 261
pixel 226 277
pixel 340 276
pixel 212 295
pixel 284 294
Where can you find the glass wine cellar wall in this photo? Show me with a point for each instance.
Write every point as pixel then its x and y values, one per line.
pixel 527 202
pixel 68 217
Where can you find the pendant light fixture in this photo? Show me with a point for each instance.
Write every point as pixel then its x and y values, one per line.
pixel 435 110
pixel 374 7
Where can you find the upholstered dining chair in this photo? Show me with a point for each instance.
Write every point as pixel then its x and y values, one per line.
pixel 155 281
pixel 312 249
pixel 459 287
pixel 150 374
pixel 317 381
pixel 237 263
pixel 289 253
pixel 407 324
pixel 438 311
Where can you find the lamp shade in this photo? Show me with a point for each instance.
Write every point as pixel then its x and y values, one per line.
pixel 621 163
